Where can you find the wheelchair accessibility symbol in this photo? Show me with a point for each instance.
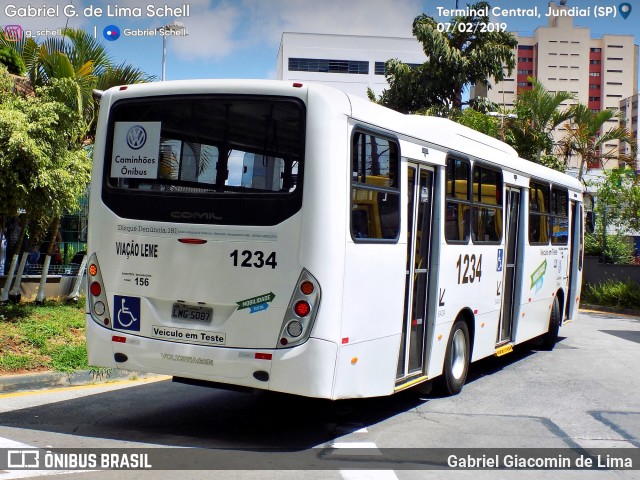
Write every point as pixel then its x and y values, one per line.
pixel 127 313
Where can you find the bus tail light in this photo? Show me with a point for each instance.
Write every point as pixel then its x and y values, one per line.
pixel 301 312
pixel 97 298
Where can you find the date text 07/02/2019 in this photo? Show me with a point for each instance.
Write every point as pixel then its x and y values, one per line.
pixel 91 11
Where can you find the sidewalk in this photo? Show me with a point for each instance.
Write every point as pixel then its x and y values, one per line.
pixel 43 380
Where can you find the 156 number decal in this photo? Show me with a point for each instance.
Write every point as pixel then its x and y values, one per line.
pixel 257 259
pixel 472 268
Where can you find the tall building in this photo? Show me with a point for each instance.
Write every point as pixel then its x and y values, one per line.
pixel 348 62
pixel 629 110
pixel 599 71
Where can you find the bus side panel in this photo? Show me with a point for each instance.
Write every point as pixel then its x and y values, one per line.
pixel 321 243
pixel 367 369
pixel 470 280
pixel 544 273
pixel 304 370
pixel 373 292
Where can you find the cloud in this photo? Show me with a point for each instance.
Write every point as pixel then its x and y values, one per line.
pixel 228 27
pixel 356 17
pixel 211 32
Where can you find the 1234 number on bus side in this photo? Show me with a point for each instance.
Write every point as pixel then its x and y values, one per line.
pixel 469 268
pixel 257 259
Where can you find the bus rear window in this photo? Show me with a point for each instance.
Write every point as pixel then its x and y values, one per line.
pixel 229 151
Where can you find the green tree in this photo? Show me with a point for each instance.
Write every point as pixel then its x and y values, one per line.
pixel 619 195
pixel 456 58
pixel 479 121
pixel 78 56
pixel 43 166
pixel 538 115
pixel 587 139
pixel 13 61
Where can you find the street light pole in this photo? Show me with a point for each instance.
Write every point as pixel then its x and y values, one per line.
pixel 174 26
pixel 502 115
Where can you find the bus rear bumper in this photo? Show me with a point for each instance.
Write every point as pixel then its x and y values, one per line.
pixel 306 370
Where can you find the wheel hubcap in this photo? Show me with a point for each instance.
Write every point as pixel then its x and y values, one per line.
pixel 459 354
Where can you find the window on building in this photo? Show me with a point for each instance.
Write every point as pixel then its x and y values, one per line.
pixel 594 86
pixel 595 50
pixel 379 67
pixel 525 84
pixel 615 46
pixel 525 47
pixel 594 74
pixel 328 66
pixel 594 99
pixel 594 62
pixel 375 188
pixel 614 71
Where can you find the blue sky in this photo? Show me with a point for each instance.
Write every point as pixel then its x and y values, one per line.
pixel 240 39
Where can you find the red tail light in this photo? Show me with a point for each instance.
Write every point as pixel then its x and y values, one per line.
pixel 302 308
pixel 96 289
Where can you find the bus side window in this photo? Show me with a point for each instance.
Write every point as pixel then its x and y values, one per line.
pixel 538 214
pixel 458 206
pixel 375 192
pixel 359 223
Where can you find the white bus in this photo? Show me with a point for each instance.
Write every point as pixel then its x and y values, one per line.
pixel 291 237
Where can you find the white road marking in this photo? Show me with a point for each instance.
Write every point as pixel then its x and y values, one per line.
pixel 11 474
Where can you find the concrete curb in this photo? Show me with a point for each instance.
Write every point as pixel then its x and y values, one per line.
pixel 39 381
pixel 612 310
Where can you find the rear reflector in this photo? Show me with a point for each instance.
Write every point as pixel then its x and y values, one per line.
pixel 119 339
pixel 297 85
pixel 263 356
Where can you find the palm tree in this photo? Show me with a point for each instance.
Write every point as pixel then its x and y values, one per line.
pixel 537 117
pixel 79 56
pixel 586 139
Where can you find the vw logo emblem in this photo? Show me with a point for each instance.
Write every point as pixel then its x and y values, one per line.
pixel 136 137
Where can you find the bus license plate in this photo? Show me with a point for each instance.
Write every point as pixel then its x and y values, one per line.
pixel 191 312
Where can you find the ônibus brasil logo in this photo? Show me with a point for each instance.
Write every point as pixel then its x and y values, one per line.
pixel 136 137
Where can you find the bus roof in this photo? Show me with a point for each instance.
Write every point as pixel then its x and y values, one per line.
pixel 437 132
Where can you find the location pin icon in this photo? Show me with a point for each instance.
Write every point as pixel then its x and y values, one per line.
pixel 624 9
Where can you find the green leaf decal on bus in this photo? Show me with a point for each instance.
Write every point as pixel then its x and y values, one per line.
pixel 538 274
pixel 259 300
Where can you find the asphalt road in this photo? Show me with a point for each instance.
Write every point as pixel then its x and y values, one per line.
pixel 584 394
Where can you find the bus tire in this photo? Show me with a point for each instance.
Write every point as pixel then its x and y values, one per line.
pixel 550 338
pixel 456 359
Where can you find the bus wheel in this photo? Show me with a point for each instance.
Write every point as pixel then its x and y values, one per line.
pixel 457 358
pixel 550 338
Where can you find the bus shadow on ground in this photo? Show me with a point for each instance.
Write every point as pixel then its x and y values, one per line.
pixel 177 415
